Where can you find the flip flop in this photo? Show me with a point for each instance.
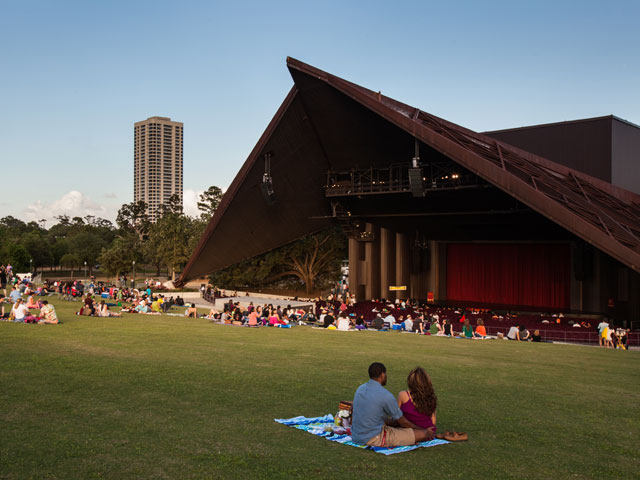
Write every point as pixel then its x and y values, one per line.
pixel 456 437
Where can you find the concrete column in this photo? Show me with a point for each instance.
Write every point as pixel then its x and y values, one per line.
pixel 442 271
pixel 432 284
pixel 355 278
pixel 402 264
pixel 372 264
pixel 387 261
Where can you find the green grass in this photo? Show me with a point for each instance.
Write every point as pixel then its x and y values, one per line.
pixel 169 397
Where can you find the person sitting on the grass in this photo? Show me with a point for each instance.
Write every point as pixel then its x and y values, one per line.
pixel 3 315
pixel 103 311
pixel 419 402
pixel 377 419
pixel 407 325
pixel 141 307
pixel 48 314
pixel 467 330
pixel 523 334
pixel 15 294
pixel 88 305
pixel 436 328
pixel 448 328
pixel 378 323
pixel 328 320
pixel 536 336
pixel 343 322
pixel 253 317
pixel 19 312
pixel 156 306
pixel 192 311
pixel 480 332
pixel 514 333
pixel 390 320
pixel 31 303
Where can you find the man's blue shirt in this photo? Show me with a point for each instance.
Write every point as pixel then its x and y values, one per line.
pixel 372 405
pixel 15 295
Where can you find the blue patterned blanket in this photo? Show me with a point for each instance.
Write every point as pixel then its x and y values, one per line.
pixel 320 426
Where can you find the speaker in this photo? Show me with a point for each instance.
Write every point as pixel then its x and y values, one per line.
pixel 415 182
pixel 267 190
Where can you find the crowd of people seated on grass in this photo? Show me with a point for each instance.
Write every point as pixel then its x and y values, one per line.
pixel 42 312
pixel 259 315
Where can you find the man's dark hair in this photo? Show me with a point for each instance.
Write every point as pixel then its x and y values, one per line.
pixel 376 369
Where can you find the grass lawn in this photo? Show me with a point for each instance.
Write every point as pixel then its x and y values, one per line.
pixel 169 397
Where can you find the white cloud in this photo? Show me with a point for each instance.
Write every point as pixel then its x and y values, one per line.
pixel 110 195
pixel 190 202
pixel 73 204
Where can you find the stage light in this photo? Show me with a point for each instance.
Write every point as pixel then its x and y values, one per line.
pixel 267 181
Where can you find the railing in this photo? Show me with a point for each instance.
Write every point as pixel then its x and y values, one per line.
pixel 393 179
pixel 589 337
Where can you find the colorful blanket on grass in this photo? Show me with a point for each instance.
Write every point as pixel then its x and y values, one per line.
pixel 319 425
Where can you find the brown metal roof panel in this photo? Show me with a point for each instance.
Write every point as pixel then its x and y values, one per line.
pixel 515 174
pixel 244 225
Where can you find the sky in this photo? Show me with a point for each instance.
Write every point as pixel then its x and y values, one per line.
pixel 76 75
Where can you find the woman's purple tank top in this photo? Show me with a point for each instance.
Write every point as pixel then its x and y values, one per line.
pixel 414 416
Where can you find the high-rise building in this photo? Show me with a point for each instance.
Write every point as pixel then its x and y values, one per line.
pixel 157 172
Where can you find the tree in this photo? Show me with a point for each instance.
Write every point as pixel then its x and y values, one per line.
pixel 18 257
pixel 209 202
pixel 133 218
pixel 314 256
pixel 71 261
pixel 86 246
pixel 173 206
pixel 118 257
pixel 170 241
pixel 38 248
pixel 58 249
pixel 314 260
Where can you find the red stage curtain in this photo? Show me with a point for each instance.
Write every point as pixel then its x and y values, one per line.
pixel 535 275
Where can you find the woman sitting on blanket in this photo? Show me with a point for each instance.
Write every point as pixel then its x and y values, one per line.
pixel 480 332
pixel 103 311
pixel 419 402
pixel 32 304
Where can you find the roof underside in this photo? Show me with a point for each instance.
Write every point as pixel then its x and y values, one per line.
pixel 327 123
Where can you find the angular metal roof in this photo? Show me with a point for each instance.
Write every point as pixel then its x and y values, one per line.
pixel 601 214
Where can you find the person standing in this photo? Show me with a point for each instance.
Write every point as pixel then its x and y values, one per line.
pixel 3 279
pixel 377 419
pixel 603 326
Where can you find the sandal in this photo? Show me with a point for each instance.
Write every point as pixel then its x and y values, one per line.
pixel 456 436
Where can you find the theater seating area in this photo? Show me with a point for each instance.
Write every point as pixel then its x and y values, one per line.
pixel 564 331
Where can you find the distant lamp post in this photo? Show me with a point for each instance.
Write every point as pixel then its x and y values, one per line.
pixel 85 269
pixel 133 278
pixel 30 263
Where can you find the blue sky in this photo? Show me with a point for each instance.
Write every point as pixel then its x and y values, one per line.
pixel 76 75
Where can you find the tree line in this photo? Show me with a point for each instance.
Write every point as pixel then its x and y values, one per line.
pixel 84 242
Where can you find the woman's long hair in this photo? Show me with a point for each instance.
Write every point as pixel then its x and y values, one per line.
pixel 424 398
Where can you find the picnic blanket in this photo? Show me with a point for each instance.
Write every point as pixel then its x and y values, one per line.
pixel 320 426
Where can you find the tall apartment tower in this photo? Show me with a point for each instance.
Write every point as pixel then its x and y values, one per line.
pixel 157 154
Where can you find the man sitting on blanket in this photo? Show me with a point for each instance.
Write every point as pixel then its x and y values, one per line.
pixel 377 419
